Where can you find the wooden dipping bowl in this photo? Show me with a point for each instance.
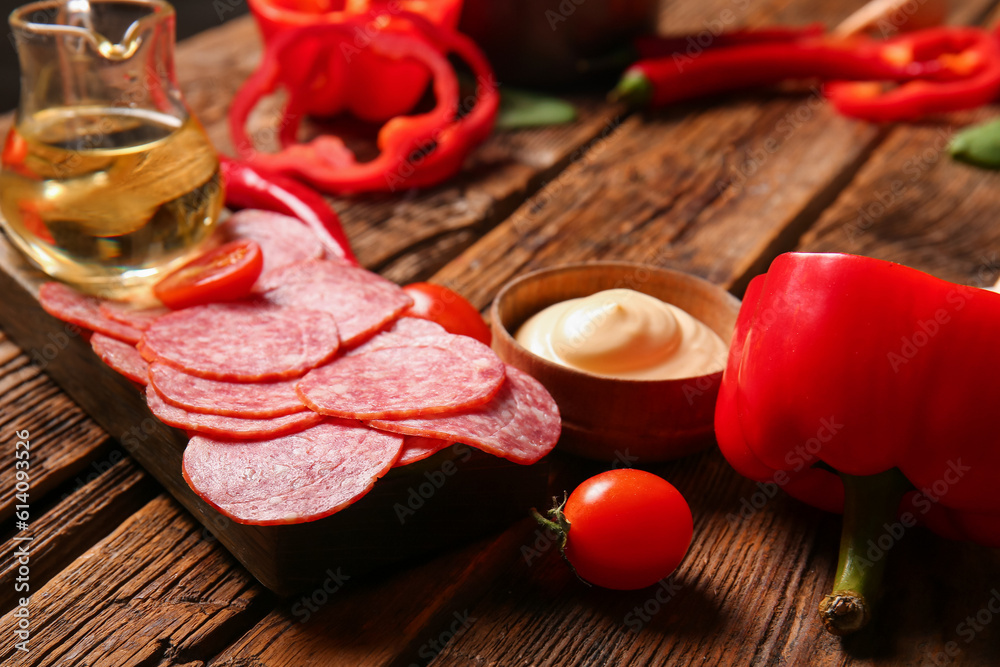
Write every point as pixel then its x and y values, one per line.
pixel 611 419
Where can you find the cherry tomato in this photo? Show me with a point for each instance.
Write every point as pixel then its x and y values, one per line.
pixel 223 274
pixel 449 309
pixel 15 149
pixel 628 529
pixel 34 222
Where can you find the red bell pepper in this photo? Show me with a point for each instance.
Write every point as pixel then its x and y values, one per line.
pixel 247 187
pixel 415 150
pixel 966 76
pixel 853 382
pixel 351 77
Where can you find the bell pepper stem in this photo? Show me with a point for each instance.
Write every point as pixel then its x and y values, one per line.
pixel 870 505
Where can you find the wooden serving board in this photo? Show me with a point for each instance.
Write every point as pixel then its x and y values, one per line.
pixel 452 497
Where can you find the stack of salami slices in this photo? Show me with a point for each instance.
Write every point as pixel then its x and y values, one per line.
pixel 299 397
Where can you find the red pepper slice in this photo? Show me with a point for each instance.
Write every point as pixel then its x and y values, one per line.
pixel 350 77
pixel 415 151
pixel 964 74
pixel 456 140
pixel 248 187
pixel 325 162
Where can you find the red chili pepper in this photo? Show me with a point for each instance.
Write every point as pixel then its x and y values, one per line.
pixel 852 380
pixel 967 76
pixel 415 151
pixel 248 187
pixel 351 77
pixel 657 46
pixel 662 81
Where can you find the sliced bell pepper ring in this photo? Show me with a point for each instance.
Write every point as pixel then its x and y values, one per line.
pixel 455 141
pixel 297 106
pixel 415 151
pixel 662 81
pixel 965 75
pixel 326 162
pixel 351 77
pixel 383 89
pixel 851 383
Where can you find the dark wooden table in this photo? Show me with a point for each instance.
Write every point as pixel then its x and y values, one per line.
pixel 120 574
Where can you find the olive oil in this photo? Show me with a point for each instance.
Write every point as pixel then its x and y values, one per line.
pixel 108 199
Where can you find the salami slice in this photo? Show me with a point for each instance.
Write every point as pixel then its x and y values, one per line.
pixel 416 327
pixel 232 428
pixel 430 375
pixel 137 318
pixel 250 400
pixel 417 448
pixel 403 331
pixel 245 341
pixel 361 301
pixel 70 306
pixel 521 424
pixel 122 357
pixel 293 479
pixel 282 240
pixel 144 352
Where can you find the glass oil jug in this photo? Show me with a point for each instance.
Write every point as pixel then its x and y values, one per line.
pixel 107 180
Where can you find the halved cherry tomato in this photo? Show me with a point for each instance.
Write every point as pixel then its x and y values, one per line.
pixel 223 274
pixel 448 308
pixel 15 149
pixel 34 222
pixel 625 529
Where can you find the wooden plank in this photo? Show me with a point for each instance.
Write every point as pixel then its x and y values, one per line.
pixel 157 587
pixel 62 438
pixel 913 204
pixel 77 522
pixel 160 590
pixel 401 619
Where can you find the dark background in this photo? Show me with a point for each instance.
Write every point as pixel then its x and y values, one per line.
pixel 192 16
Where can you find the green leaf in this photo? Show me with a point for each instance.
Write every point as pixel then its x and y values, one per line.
pixel 978 145
pixel 522 108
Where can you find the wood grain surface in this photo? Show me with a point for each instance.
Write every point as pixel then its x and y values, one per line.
pixel 126 577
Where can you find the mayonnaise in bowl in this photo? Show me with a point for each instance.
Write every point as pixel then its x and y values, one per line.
pixel 626 334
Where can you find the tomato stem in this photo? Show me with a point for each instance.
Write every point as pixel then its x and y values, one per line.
pixel 870 503
pixel 558 524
